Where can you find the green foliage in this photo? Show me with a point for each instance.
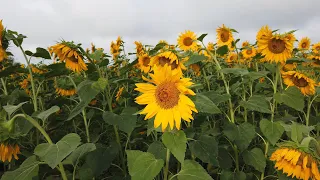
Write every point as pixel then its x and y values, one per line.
pixel 176 143
pixel 27 170
pixel 191 170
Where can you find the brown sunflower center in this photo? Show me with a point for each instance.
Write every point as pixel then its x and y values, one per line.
pixel 249 51
pixel 167 95
pixel 187 41
pixel 304 45
pixel 276 46
pixel 318 48
pixel 163 61
pixel 224 35
pixel 146 61
pixel 73 59
pixel 299 82
pixel 114 51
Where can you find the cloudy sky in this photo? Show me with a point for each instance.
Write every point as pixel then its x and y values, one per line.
pixel 100 21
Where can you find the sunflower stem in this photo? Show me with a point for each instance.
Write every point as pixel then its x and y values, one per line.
pixel 206 78
pixel 166 170
pixel 275 85
pixel 5 91
pixel 86 124
pixel 46 136
pixel 236 155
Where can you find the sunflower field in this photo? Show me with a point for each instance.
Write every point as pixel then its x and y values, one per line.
pixel 229 109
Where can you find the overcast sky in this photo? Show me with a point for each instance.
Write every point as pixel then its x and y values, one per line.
pixel 100 21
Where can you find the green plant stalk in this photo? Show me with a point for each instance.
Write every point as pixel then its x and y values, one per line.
pixel 310 101
pixel 244 98
pixel 35 103
pixel 206 79
pixel 4 87
pixel 236 155
pixel 275 85
pixel 46 136
pixel 166 169
pixel 265 155
pixel 84 115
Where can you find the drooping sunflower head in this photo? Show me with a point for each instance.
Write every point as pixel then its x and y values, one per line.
pixel 64 87
pixel 119 41
pixel 68 52
pixel 167 58
pixel 224 36
pixel 37 70
pixel 144 63
pixel 232 58
pixel 299 80
pixel 304 43
pixel 316 48
pixel 277 48
pixel 165 97
pixel 9 151
pixel 295 163
pixel 139 48
pixel 245 44
pixel 196 69
pixel 188 41
pixel 249 52
pixel 119 93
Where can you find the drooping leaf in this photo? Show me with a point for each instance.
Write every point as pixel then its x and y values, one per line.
pixel 45 114
pixel 205 105
pixel 206 149
pixel 200 38
pixel 241 134
pixel 79 153
pixel 27 170
pixel 291 97
pixel 143 165
pixel 195 58
pixel 176 143
pixel 256 103
pixel 191 170
pixel 40 53
pixel 53 154
pixel 87 90
pixel 222 50
pixel 271 130
pixel 10 109
pixel 255 158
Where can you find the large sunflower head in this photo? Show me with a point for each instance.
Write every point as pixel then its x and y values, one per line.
pixel 167 58
pixel 165 97
pixel 316 48
pixel 300 80
pixel 68 52
pixel 144 63
pixel 9 151
pixel 276 48
pixel 296 163
pixel 249 52
pixel 232 58
pixel 224 36
pixel 304 43
pixel 188 41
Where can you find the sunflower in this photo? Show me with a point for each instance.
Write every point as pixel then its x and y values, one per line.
pixel 8 151
pixel 288 67
pixel 24 84
pixel 115 50
pixel 3 54
pixel 315 60
pixel 93 48
pixel 188 41
pixel 265 33
pixel 168 58
pixel 232 58
pixel 316 48
pixel 261 80
pixel 166 100
pixel 210 46
pixel 196 69
pixel 139 48
pixel 245 44
pixel 304 43
pixel 93 102
pixel 276 48
pixel 118 95
pixel 296 163
pixel 224 36
pixel 119 41
pixel 68 53
pixel 144 63
pixel 65 92
pixel 37 70
pixel 301 81
pixel 248 53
